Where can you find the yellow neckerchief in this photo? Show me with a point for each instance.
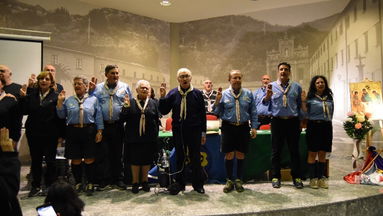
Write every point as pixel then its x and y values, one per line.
pixel 183 101
pixel 81 107
pixel 2 95
pixel 111 93
pixel 284 98
pixel 237 107
pixel 326 109
pixel 43 96
pixel 208 99
pixel 142 119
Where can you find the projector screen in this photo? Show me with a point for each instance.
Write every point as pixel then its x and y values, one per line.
pixel 23 57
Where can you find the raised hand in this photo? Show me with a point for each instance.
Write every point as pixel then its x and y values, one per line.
pixel 163 90
pixel 92 84
pixel 32 80
pixel 23 90
pixel 219 95
pixel 269 92
pixel 10 95
pixel 127 101
pixel 61 96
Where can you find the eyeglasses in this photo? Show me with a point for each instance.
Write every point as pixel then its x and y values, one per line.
pixel 184 76
pixel 2 71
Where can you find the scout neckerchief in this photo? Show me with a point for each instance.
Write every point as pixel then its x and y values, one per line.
pixel 237 108
pixel 142 119
pixel 111 92
pixel 326 110
pixel 2 95
pixel 43 96
pixel 284 98
pixel 208 99
pixel 183 101
pixel 81 108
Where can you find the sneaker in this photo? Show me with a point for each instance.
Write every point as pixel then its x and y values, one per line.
pixel 89 189
pixel 276 183
pixel 120 185
pixel 298 183
pixel 135 188
pixel 229 186
pixel 145 186
pixel 34 191
pixel 314 183
pixel 102 187
pixel 238 185
pixel 323 183
pixel 78 188
pixel 44 191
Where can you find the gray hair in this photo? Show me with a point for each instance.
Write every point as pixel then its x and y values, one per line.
pixel 83 78
pixel 183 70
pixel 139 82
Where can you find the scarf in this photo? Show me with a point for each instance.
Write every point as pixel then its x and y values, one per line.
pixel 237 107
pixel 183 101
pixel 111 93
pixel 2 95
pixel 142 119
pixel 81 108
pixel 284 98
pixel 209 109
pixel 43 96
pixel 326 109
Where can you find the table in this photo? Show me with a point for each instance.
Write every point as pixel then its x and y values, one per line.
pixel 257 160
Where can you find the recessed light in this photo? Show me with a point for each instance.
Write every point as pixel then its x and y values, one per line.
pixel 165 3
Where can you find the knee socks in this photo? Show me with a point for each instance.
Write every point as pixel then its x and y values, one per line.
pixel 229 169
pixel 77 172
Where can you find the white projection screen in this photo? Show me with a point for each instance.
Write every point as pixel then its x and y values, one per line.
pixel 23 57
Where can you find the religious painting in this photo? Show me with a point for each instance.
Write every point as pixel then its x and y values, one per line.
pixel 365 96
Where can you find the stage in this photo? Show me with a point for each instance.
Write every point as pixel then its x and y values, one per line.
pixel 259 198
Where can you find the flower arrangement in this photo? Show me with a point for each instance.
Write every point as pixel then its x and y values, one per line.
pixel 357 125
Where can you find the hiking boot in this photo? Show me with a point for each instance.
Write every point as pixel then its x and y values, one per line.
pixel 120 185
pixel 314 183
pixel 135 188
pixel 238 185
pixel 323 183
pixel 276 183
pixel 229 186
pixel 34 191
pixel 78 188
pixel 298 183
pixel 145 186
pixel 89 189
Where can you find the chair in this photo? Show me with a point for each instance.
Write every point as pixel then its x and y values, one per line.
pixel 265 127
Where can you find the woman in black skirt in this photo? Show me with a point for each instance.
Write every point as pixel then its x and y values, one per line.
pixel 141 131
pixel 319 105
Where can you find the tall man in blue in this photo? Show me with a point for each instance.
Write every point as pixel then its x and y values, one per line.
pixel 236 107
pixel 189 125
pixel 263 111
pixel 111 95
pixel 284 98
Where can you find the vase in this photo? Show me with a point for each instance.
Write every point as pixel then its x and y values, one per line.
pixel 356 155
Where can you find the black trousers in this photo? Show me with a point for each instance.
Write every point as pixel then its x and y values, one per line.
pixel 263 120
pixel 40 146
pixel 285 131
pixel 188 138
pixel 113 142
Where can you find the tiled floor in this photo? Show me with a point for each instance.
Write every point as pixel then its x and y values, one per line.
pixel 258 196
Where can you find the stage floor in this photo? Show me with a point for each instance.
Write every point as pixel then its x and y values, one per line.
pixel 259 198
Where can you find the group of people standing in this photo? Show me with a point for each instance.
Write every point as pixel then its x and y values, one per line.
pixel 99 118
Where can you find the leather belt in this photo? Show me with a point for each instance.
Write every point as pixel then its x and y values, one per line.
pixel 236 124
pixel 264 116
pixel 81 126
pixel 285 117
pixel 110 122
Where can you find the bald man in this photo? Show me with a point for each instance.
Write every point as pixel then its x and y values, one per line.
pixel 263 111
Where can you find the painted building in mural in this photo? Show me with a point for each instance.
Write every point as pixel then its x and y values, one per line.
pixel 352 51
pixel 297 56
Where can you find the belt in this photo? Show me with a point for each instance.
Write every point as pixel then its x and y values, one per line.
pixel 110 121
pixel 235 123
pixel 285 117
pixel 264 116
pixel 81 126
pixel 318 121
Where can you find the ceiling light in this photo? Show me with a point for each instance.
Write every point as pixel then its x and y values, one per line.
pixel 165 3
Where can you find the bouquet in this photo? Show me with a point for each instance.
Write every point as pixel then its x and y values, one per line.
pixel 357 125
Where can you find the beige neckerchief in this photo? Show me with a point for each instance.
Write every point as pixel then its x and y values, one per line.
pixel 81 107
pixel 2 95
pixel 111 93
pixel 237 107
pixel 209 109
pixel 43 96
pixel 284 98
pixel 183 101
pixel 326 110
pixel 142 119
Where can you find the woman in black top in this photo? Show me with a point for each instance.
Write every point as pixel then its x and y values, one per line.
pixel 42 128
pixel 141 131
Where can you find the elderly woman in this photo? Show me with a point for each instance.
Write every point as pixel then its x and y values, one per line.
pixel 319 105
pixel 141 131
pixel 43 128
pixel 84 128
